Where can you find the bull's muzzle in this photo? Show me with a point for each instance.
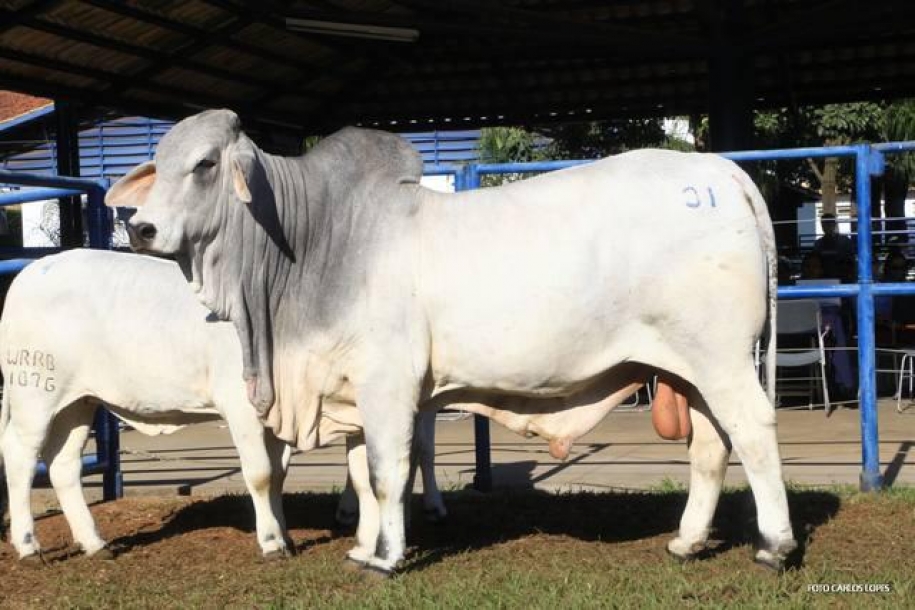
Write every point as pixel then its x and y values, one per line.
pixel 141 234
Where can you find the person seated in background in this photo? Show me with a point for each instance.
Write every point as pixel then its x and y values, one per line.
pixel 812 266
pixel 834 315
pixel 837 251
pixel 895 315
pixel 895 267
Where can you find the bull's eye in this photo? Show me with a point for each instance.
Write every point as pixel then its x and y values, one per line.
pixel 204 164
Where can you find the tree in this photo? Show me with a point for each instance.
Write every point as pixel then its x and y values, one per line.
pixel 840 124
pixel 509 145
pixel 583 140
pixel 898 125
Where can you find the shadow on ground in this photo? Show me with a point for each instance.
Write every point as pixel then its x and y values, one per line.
pixel 480 520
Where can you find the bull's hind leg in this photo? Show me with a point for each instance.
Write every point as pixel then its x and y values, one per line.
pixel 63 452
pixel 424 454
pixel 748 418
pixel 348 506
pixel 708 461
pixel 20 446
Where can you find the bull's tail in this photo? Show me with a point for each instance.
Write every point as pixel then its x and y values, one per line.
pixel 767 240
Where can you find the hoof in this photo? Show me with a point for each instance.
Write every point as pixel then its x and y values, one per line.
pixel 777 559
pixel 103 554
pixel 353 565
pixel 767 560
pixel 377 573
pixel 682 552
pixel 276 555
pixel 681 559
pixel 35 560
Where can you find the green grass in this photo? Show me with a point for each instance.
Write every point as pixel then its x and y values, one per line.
pixel 508 549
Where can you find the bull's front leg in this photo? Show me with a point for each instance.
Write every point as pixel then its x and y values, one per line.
pixel 366 508
pixel 388 415
pixel 261 454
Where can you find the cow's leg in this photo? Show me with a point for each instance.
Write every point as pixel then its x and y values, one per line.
pixel 708 460
pixel 348 506
pixel 746 416
pixel 388 414
pixel 422 457
pixel 424 449
pixel 250 438
pixel 63 452
pixel 280 454
pixel 20 443
pixel 367 509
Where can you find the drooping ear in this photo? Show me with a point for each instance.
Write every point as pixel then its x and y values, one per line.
pixel 132 190
pixel 244 159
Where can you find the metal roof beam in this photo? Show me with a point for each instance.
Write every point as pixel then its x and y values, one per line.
pixel 136 50
pixel 827 21
pixel 208 37
pixel 115 80
pixel 252 122
pixel 25 12
pixel 625 38
pixel 272 14
pixel 190 102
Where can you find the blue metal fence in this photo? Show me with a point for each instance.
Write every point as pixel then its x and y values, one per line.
pixel 107 457
pixel 114 147
pixel 869 162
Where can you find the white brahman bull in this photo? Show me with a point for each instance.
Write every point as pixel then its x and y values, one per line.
pixel 87 327
pixel 542 304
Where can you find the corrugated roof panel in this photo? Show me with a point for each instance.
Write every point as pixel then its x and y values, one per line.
pixel 88 18
pixel 206 84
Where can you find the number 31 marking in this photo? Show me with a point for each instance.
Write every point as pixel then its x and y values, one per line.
pixel 695 198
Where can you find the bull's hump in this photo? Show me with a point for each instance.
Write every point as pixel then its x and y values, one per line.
pixel 382 151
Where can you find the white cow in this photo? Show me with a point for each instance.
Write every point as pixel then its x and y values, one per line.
pixel 542 304
pixel 86 327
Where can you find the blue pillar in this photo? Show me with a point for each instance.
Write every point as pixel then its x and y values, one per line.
pixel 868 162
pixel 107 432
pixel 108 451
pixel 99 217
pixel 67 150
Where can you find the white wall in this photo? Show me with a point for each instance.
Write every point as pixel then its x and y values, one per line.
pixel 444 184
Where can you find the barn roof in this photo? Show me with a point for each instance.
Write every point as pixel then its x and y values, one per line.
pixel 425 64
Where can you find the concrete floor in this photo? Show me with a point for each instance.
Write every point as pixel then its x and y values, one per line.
pixel 622 452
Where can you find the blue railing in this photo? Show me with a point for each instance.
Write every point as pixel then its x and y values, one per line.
pixel 869 162
pixel 107 456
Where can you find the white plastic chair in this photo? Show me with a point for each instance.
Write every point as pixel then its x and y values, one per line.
pixel 649 388
pixel 906 371
pixel 799 318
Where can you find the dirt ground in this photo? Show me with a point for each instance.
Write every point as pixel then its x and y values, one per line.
pixel 201 552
